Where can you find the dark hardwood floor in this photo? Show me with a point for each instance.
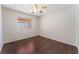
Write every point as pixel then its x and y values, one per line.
pixel 38 45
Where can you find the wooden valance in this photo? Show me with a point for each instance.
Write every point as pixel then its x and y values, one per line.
pixel 24 19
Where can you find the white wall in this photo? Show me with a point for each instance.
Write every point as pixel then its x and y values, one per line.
pixel 77 27
pixel 59 25
pixel 11 32
pixel 1 28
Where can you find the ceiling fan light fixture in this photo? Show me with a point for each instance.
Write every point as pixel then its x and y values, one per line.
pixel 38 8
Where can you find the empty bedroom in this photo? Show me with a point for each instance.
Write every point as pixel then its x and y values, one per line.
pixel 39 29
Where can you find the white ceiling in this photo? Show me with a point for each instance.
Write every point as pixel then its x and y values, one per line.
pixel 26 8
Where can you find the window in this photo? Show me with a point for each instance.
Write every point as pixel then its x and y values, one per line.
pixel 24 23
